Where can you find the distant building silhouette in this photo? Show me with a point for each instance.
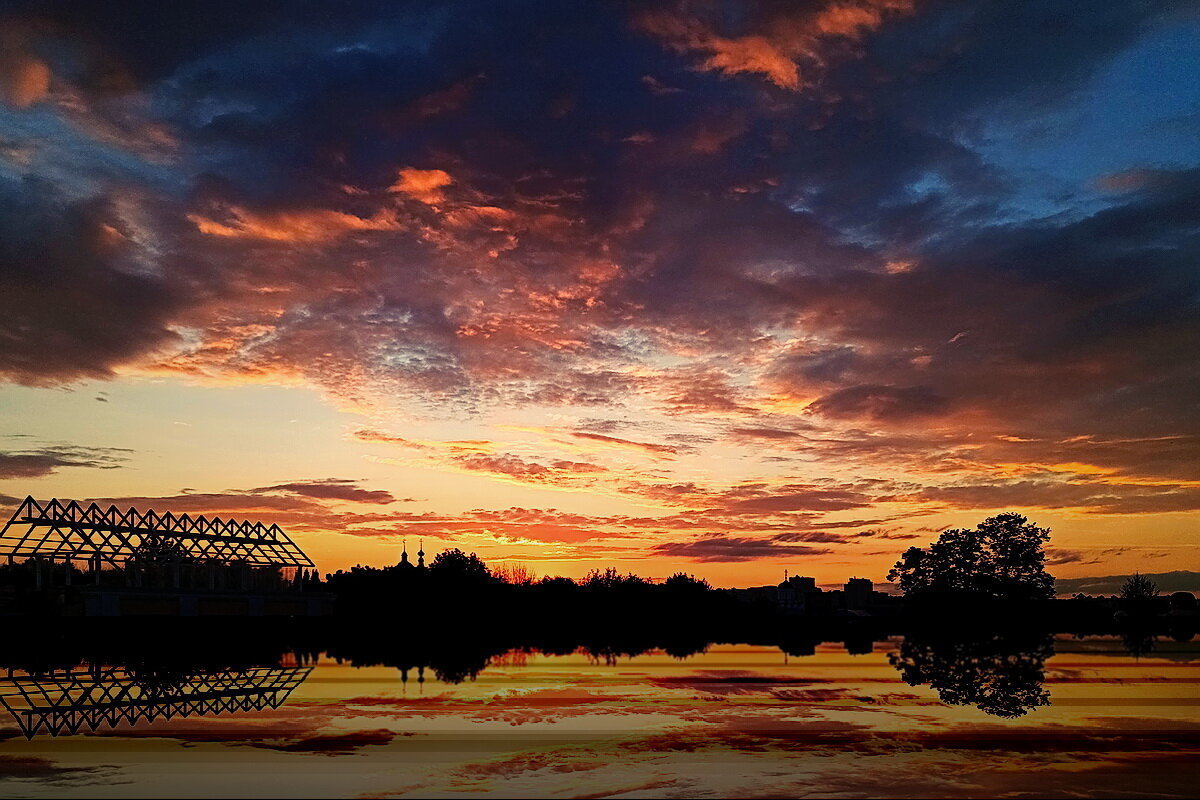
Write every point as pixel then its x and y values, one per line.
pixel 799 595
pixel 405 564
pixel 795 594
pixel 859 594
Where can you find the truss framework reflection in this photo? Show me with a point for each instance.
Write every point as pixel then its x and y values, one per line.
pixel 64 703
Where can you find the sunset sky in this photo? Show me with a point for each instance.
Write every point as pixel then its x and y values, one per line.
pixel 727 288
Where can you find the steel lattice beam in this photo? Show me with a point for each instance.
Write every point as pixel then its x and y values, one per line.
pixel 68 530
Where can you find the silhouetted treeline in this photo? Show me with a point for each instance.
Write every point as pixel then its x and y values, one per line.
pixel 461 586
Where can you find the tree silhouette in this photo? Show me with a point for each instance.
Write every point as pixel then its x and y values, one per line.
pixel 456 563
pixel 1139 596
pixel 161 550
pixel 1182 601
pixel 683 583
pixel 1138 589
pixel 1000 675
pixel 612 580
pixel 557 584
pixel 1138 642
pixel 1001 557
pixel 514 574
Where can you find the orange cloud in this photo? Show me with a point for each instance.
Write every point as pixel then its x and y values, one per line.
pixel 305 226
pixel 779 46
pixel 474 445
pixel 509 465
pixel 24 80
pixel 614 441
pixel 855 19
pixel 422 184
pixel 755 54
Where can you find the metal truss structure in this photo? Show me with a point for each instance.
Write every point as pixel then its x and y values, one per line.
pixel 60 703
pixel 69 531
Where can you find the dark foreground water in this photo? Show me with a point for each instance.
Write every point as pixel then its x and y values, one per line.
pixel 1060 717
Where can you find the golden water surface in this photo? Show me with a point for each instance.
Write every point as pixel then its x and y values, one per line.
pixel 735 721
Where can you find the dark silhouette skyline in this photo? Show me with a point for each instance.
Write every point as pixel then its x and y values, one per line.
pixel 140 563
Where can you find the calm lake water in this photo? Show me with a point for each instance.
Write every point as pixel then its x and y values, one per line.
pixel 1079 717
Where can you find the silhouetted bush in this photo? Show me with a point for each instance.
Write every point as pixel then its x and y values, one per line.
pixel 1139 596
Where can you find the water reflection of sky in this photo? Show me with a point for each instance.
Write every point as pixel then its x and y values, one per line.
pixel 734 721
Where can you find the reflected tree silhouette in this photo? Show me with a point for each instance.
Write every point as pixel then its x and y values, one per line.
pixel 1001 675
pixel 1138 642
